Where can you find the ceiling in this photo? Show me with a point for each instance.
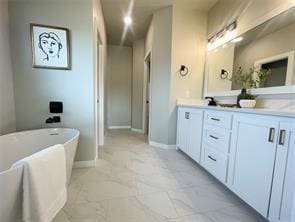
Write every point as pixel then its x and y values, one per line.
pixel 141 12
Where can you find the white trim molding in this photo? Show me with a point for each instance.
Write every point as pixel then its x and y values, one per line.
pixel 146 95
pixel 163 146
pixel 137 130
pixel 119 127
pixel 290 56
pixel 84 164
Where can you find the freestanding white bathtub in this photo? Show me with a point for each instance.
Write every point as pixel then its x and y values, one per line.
pixel 16 146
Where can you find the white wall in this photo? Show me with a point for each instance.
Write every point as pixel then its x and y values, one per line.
pixel 137 84
pixel 7 113
pixel 179 38
pixel 34 88
pixel 119 71
pixel 160 75
pixel 189 42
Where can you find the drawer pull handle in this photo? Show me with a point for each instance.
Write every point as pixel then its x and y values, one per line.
pixel 282 137
pixel 187 115
pixel 214 137
pixel 215 119
pixel 271 135
pixel 210 157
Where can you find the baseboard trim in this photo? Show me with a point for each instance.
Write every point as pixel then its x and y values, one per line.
pixel 137 130
pixel 84 164
pixel 119 127
pixel 163 146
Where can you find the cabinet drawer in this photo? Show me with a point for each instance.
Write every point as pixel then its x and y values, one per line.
pixel 220 119
pixel 216 163
pixel 217 138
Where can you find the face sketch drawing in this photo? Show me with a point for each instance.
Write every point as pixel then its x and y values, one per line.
pixel 50 45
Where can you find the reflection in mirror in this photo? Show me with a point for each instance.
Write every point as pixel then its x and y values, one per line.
pixel 265 54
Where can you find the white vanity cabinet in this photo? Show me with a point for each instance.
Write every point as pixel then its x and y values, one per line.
pixel 253 154
pixel 282 204
pixel 189 131
pixel 215 143
pixel 262 160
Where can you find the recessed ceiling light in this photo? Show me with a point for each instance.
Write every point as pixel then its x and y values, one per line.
pixel 237 39
pixel 127 20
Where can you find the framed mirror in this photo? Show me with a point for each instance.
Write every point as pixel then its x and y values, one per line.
pixel 262 60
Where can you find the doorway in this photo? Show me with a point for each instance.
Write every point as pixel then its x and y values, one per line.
pixel 146 94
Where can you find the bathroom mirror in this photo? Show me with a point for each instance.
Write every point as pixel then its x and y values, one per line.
pixel 262 60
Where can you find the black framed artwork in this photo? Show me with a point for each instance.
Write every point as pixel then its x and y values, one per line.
pixel 50 47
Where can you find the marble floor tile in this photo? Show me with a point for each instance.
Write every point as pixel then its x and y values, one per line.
pixel 159 203
pixel 86 211
pixel 135 182
pixel 193 218
pixel 235 214
pixel 195 177
pixel 61 217
pixel 190 201
pixel 107 189
pixel 74 190
pixel 159 182
pixel 132 210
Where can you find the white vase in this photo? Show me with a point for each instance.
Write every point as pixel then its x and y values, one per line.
pixel 247 103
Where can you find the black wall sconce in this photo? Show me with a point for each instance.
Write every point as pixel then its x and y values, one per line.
pixel 183 70
pixel 223 74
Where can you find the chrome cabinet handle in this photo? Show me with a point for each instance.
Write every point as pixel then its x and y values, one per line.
pixel 282 137
pixel 215 119
pixel 210 157
pixel 271 135
pixel 214 137
pixel 187 115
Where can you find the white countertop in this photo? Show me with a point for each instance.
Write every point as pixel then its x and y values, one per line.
pixel 200 104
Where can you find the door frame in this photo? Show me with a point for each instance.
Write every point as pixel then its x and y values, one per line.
pixel 145 96
pixel 98 89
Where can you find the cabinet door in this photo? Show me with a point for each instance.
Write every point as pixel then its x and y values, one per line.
pixel 182 129
pixel 195 134
pixel 253 151
pixel 283 191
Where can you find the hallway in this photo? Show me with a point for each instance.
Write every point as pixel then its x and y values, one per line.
pixel 135 182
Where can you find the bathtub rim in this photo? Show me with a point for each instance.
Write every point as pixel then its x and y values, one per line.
pixel 44 129
pixel 77 134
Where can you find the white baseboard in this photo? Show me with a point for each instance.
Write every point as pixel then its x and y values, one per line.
pixel 137 130
pixel 163 146
pixel 119 127
pixel 84 164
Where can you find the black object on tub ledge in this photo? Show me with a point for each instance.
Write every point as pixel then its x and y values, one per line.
pixel 55 107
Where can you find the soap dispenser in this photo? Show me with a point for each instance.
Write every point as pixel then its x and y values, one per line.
pixel 211 101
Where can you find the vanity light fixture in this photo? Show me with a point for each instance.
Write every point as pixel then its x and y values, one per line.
pixel 128 20
pixel 225 32
pixel 239 39
pixel 232 26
